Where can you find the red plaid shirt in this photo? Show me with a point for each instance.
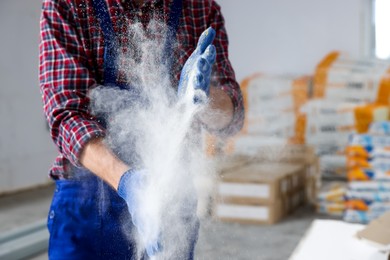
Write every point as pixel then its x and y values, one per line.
pixel 71 62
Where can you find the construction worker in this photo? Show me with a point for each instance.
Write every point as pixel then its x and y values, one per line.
pixel 76 54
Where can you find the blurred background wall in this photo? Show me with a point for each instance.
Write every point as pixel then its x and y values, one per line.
pixel 26 151
pixel 282 36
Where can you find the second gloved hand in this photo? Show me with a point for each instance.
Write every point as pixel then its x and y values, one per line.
pixel 131 188
pixel 195 75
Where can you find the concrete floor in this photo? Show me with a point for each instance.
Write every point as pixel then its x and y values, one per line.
pixel 25 207
pixel 217 240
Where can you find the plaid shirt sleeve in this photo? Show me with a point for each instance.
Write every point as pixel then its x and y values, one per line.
pixel 64 80
pixel 223 73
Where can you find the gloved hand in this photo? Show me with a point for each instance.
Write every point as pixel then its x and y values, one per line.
pixel 130 186
pixel 195 75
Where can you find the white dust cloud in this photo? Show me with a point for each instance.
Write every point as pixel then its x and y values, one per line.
pixel 150 129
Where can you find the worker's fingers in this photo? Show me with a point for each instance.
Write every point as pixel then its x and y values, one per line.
pixel 201 87
pixel 203 65
pixel 206 39
pixel 199 81
pixel 210 54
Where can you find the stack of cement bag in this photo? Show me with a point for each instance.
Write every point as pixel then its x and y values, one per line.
pixel 331 198
pixel 368 162
pixel 348 95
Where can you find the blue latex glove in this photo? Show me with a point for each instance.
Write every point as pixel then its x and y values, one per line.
pixel 195 75
pixel 130 185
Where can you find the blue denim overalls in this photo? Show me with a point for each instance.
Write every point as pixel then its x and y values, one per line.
pixel 87 219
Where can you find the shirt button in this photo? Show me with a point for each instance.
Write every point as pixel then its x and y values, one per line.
pixel 52 214
pixel 140 13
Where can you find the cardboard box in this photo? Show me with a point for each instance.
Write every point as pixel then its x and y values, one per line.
pixel 377 233
pixel 260 192
pixel 250 214
pixel 294 154
pixel 263 182
pixel 298 154
pixel 232 163
pixel 243 211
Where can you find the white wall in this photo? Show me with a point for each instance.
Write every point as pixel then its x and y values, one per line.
pixel 26 151
pixel 284 36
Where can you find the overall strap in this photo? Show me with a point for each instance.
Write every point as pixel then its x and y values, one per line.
pixel 110 42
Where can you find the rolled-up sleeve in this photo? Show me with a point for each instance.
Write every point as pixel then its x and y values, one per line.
pixel 223 73
pixel 64 81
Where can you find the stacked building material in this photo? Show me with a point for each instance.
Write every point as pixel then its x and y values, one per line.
pixel 266 186
pixel 328 126
pixel 272 115
pixel 345 79
pixel 260 192
pixel 272 106
pixel 345 96
pixel 348 95
pixel 330 199
pixel 368 162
